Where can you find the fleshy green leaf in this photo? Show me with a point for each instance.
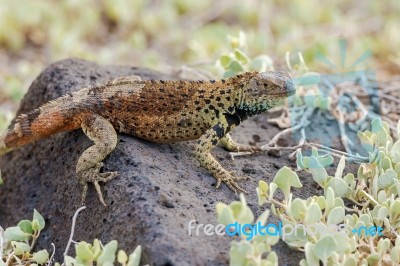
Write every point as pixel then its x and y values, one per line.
pixel 15 233
pixel 20 247
pixel 317 170
pixel 225 60
pixel 340 187
pixel 380 129
pixel 395 254
pixel 350 180
pixel 41 256
pixel 313 214
pixel 272 258
pixel 26 226
pixel 235 66
pixel 312 259
pixel 394 209
pixel 263 217
pixel 122 258
pixel 84 252
pixel 373 259
pixel 344 244
pixel 225 214
pixel 321 201
pixel 299 160
pixel 70 261
pixel 241 56
pixel 263 186
pixel 325 247
pixel 340 167
pixel 395 151
pixel 350 262
pixel 108 254
pixel 239 251
pixel 272 187
pixel 134 257
pixel 325 160
pixel 230 73
pixel 245 215
pixel 298 208
pixel 330 198
pixel 261 197
pixel 383 213
pixel 382 197
pixel 261 63
pixel 398 129
pixel 386 163
pixel 38 217
pixel 336 216
pixel 386 179
pixel 262 192
pixel 383 245
pixel 286 178
pixel 96 249
pixel 366 142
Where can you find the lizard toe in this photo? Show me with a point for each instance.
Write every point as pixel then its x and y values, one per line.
pixel 252 149
pixel 102 177
pixel 229 180
pixel 105 177
pixel 99 193
pixel 219 181
pixel 237 178
pixel 93 176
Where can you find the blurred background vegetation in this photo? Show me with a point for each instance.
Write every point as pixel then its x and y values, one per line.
pixel 164 34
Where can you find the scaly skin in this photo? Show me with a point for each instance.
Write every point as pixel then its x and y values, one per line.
pixel 157 111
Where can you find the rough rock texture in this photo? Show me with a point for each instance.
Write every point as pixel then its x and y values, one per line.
pixel 160 188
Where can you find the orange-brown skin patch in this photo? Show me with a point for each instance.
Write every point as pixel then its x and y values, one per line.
pixel 156 112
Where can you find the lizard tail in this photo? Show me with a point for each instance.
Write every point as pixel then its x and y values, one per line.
pixel 49 119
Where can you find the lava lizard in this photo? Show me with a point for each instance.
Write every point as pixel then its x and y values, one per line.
pixel 155 110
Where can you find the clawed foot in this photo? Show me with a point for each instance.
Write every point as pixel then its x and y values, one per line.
pixel 93 176
pixel 229 179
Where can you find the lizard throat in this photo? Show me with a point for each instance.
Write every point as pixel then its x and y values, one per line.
pixel 250 110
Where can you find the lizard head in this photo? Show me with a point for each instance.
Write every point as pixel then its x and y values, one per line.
pixel 264 90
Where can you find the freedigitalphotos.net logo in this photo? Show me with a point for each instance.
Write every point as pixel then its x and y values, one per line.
pixel 279 230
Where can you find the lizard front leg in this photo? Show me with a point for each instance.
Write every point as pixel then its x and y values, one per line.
pixel 202 152
pixel 103 134
pixel 228 143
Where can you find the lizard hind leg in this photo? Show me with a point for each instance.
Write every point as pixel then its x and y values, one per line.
pixel 202 152
pixel 103 134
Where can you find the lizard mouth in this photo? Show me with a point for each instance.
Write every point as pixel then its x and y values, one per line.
pixel 286 90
